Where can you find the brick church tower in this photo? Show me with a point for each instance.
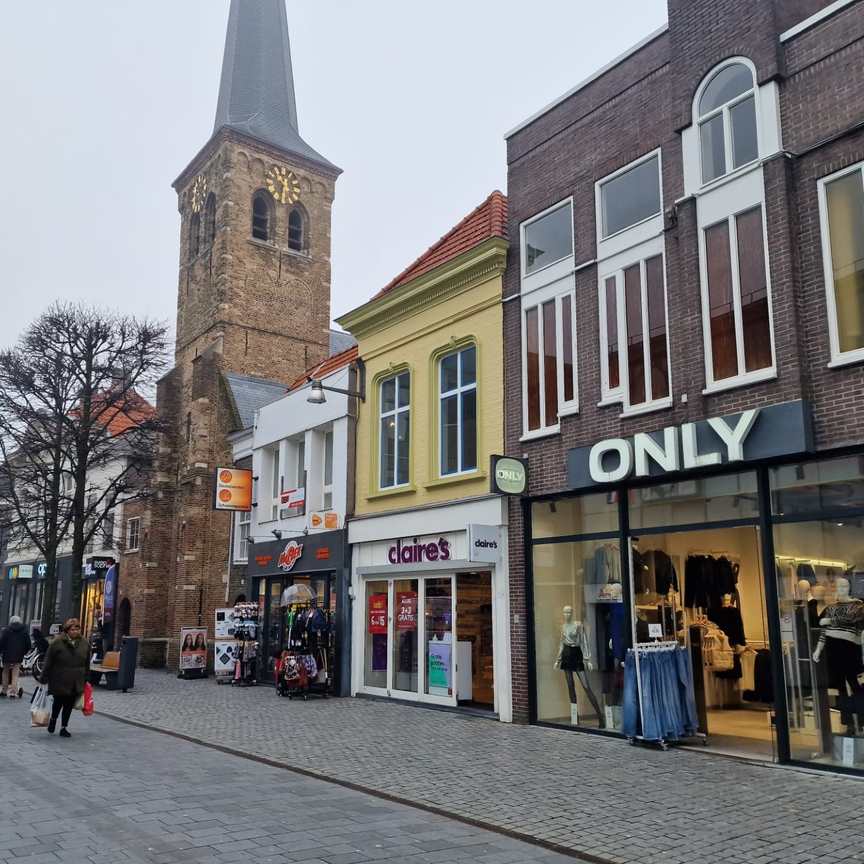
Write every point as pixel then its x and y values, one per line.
pixel 253 311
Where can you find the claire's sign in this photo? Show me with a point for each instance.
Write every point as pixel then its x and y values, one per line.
pixel 416 551
pixel 755 434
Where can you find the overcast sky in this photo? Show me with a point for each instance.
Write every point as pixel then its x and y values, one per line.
pixel 104 102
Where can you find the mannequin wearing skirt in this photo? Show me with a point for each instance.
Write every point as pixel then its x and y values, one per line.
pixel 574 656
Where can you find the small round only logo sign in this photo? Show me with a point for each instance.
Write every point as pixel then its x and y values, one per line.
pixel 511 477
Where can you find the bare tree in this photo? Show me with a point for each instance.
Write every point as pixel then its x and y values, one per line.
pixel 76 435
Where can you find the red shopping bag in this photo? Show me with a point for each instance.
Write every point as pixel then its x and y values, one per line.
pixel 88 700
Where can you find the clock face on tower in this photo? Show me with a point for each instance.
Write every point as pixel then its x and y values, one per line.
pixel 199 193
pixel 283 185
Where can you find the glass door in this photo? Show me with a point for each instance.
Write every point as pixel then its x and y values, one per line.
pixel 406 654
pixel 439 638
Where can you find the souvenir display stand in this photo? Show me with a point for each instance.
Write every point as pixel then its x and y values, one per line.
pixel 305 666
pixel 246 633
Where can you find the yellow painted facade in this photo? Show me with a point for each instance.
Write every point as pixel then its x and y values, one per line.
pixel 411 328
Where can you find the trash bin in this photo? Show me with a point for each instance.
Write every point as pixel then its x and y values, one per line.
pixel 128 659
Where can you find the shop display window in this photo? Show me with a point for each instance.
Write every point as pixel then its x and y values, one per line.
pixel 567 517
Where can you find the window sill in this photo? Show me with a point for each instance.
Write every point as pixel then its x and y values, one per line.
pixel 647 409
pixel 131 551
pixel 568 412
pixel 717 182
pixel 453 479
pixel 541 433
pixel 740 381
pixel 609 403
pixel 388 493
pixel 261 244
pixel 849 359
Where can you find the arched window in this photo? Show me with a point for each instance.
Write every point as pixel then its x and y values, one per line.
pixel 726 115
pixel 194 235
pixel 260 218
pixel 296 232
pixel 210 219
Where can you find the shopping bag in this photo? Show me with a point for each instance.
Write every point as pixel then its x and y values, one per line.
pixel 88 700
pixel 79 703
pixel 40 707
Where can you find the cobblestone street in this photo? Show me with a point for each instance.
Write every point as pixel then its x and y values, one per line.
pixel 117 794
pixel 595 796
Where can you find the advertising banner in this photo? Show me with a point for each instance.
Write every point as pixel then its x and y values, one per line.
pixel 378 613
pixel 224 656
pixel 224 624
pixel 439 665
pixel 406 611
pixel 110 594
pixel 232 489
pixel 193 648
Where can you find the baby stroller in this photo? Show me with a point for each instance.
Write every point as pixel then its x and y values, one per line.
pixel 293 676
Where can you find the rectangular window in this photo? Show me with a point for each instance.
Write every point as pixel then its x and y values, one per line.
pixel 458 409
pixel 550 380
pixel 241 536
pixel 395 420
pixel 631 197
pixel 843 252
pixel 276 490
pixel 548 239
pixel 738 314
pixel 328 469
pixel 638 333
pixel 133 533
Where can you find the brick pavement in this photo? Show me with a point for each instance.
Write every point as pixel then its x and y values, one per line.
pixel 595 796
pixel 118 794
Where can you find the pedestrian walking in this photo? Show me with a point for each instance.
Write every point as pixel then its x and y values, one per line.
pixel 65 672
pixel 14 644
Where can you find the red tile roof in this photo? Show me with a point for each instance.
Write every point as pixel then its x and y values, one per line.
pixel 119 419
pixel 325 367
pixel 486 221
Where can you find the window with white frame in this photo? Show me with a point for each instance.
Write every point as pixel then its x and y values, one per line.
pixel 630 196
pixel 457 378
pixel 133 534
pixel 549 379
pixel 726 113
pixel 548 238
pixel 841 199
pixel 634 332
pixel 328 470
pixel 394 425
pixel 243 521
pixel 738 326
pixel 274 462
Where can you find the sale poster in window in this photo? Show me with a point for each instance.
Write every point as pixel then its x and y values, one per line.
pixel 377 613
pixel 406 611
pixel 439 665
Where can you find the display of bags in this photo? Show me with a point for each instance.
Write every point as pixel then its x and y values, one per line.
pixel 40 707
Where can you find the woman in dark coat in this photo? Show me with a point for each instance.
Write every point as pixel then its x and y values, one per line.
pixel 65 672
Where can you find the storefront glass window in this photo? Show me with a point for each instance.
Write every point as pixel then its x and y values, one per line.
pixel 590 514
pixel 730 497
pixel 580 633
pixel 814 487
pixel 439 636
pixel 406 655
pixel 377 647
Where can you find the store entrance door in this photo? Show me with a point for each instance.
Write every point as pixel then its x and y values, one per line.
pixel 410 639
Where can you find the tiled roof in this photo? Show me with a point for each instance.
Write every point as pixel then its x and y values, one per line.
pixel 486 221
pixel 326 367
pixel 129 410
pixel 340 340
pixel 250 394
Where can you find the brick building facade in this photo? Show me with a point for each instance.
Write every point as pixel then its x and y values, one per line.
pixel 710 266
pixel 253 309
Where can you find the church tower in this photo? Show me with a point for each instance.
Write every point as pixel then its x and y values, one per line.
pixel 255 205
pixel 253 311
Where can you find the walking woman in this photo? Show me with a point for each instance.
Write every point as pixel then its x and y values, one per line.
pixel 65 672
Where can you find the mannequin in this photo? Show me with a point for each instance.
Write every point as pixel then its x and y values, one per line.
pixel 574 655
pixel 842 623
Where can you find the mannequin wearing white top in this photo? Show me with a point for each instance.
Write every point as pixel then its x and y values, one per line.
pixel 574 655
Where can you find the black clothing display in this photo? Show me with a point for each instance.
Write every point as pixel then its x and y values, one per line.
pixel 656 572
pixel 707 579
pixel 763 689
pixel 728 619
pixel 813 614
pixel 843 659
pixel 572 659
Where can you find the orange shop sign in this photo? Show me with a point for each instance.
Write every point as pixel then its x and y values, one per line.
pixel 232 489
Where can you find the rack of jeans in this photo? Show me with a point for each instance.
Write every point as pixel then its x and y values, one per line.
pixel 659 704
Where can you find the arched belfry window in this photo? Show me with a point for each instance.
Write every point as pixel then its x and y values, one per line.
pixel 296 231
pixel 726 114
pixel 261 218
pixel 210 219
pixel 194 235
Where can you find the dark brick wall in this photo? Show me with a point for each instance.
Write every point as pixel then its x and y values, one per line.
pixel 643 104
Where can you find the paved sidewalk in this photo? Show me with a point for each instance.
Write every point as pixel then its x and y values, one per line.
pixel 117 794
pixel 596 796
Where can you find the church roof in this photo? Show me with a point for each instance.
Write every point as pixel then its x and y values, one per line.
pixel 339 341
pixel 250 394
pixel 256 95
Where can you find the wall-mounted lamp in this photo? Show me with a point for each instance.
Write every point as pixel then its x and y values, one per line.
pixel 277 534
pixel 316 390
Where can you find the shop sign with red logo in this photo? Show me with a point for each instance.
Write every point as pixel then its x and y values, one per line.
pixel 406 611
pixel 290 555
pixel 378 613
pixel 323 553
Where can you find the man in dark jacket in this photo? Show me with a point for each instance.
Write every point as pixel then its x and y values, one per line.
pixel 14 644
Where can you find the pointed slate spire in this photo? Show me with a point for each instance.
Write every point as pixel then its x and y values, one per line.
pixel 256 95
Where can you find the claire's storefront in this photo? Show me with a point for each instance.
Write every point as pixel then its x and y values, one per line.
pixel 318 562
pixel 705 581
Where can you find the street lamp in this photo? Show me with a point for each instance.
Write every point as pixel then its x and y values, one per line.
pixel 316 390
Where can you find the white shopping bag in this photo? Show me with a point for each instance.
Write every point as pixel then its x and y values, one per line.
pixel 40 707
